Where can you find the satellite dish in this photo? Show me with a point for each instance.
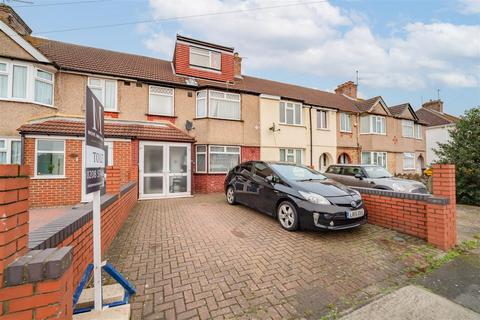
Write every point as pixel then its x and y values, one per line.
pixel 189 125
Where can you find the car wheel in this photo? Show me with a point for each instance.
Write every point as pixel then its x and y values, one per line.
pixel 231 196
pixel 287 216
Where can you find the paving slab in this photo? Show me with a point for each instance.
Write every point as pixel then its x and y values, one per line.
pixel 116 313
pixel 458 280
pixel 412 303
pixel 110 293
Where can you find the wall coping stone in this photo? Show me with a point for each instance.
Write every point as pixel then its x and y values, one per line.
pixel 404 195
pixel 56 231
pixel 39 265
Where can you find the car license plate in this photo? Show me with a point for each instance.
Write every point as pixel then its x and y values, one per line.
pixel 355 214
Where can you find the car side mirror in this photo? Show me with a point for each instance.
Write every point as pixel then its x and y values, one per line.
pixel 271 179
pixel 359 176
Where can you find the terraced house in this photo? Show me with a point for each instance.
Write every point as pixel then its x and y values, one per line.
pixel 177 126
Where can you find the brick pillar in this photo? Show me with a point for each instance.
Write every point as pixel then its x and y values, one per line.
pixel 13 214
pixel 39 285
pixel 441 219
pixel 113 180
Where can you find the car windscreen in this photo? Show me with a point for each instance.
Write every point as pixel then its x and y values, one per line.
pixel 298 173
pixel 377 172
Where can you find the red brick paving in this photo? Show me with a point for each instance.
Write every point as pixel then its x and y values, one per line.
pixel 199 258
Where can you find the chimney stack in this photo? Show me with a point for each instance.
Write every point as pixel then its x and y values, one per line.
pixel 237 65
pixel 436 105
pixel 348 88
pixel 13 20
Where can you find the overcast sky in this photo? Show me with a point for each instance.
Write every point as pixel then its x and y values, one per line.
pixel 404 50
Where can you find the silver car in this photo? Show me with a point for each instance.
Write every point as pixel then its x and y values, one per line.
pixel 371 176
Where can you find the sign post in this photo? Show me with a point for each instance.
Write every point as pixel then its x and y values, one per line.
pixel 94 171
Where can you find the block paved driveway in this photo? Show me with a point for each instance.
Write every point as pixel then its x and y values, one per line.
pixel 199 258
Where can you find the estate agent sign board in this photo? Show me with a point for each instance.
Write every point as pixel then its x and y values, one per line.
pixel 95 147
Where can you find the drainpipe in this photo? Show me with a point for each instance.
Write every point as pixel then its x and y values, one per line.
pixel 311 136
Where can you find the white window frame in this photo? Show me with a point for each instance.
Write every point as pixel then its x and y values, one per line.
pixel 102 86
pixel 225 152
pixel 207 99
pixel 37 78
pixel 164 95
pixel 345 122
pixel 290 107
pixel 31 78
pixel 110 145
pixel 64 152
pixel 203 153
pixel 319 123
pixel 8 149
pixel 206 53
pixel 411 155
pixel 374 154
pixel 377 120
pixel 408 124
pixel 418 131
pixel 291 152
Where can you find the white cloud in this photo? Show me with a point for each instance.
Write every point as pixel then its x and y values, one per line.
pixel 470 6
pixel 324 40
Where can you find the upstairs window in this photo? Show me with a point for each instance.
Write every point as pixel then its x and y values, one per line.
pixel 161 101
pixel 106 92
pixel 345 123
pixel 205 58
pixel 418 131
pixel 217 104
pixel 322 119
pixel 408 128
pixel 44 87
pixel 24 82
pixel 372 124
pixel 290 113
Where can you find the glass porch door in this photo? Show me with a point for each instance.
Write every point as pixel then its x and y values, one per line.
pixel 164 170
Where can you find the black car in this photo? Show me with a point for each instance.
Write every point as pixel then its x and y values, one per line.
pixel 296 195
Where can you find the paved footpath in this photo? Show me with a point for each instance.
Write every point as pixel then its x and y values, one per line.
pixel 199 258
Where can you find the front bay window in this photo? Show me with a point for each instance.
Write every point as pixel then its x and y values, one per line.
pixel 291 155
pixel 50 158
pixel 106 92
pixel 10 151
pixel 375 158
pixel 218 104
pixel 25 82
pixel 372 125
pixel 290 113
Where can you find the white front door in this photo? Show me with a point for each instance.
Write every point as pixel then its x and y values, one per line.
pixel 165 170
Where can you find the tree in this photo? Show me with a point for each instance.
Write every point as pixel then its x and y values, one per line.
pixel 463 150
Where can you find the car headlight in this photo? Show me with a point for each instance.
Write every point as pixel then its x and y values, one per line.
pixel 314 197
pixel 399 187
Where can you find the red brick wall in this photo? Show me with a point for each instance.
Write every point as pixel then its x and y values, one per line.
pixel 182 65
pixel 46 192
pixel 13 214
pixel 56 192
pixel 51 299
pixel 429 218
pixel 81 240
pixel 250 153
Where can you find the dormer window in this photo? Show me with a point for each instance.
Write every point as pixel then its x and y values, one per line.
pixel 205 58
